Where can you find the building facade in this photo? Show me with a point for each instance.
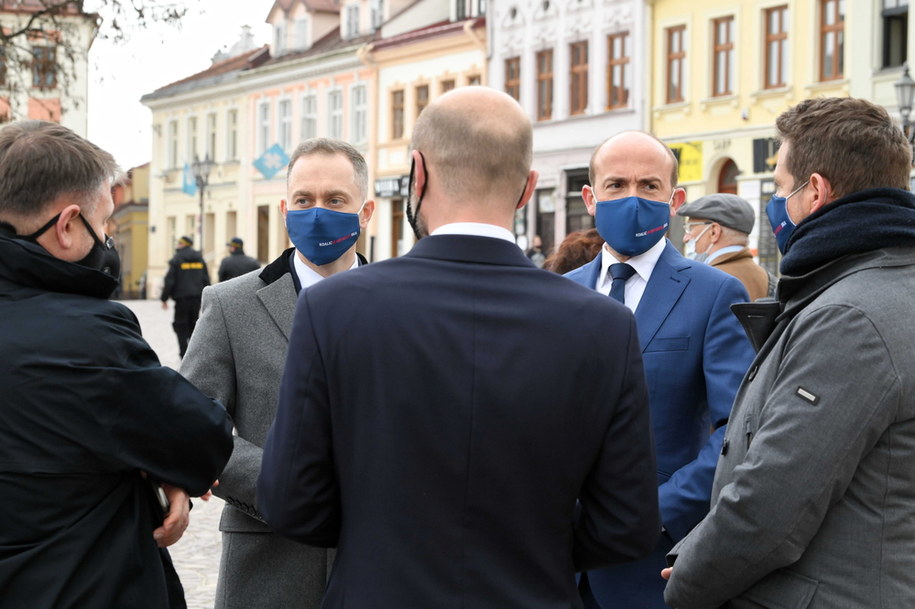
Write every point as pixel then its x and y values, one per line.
pixel 44 73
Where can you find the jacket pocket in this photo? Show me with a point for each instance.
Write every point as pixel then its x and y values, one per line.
pixel 677 343
pixel 782 589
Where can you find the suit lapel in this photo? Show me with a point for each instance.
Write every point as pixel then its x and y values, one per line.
pixel 664 288
pixel 279 299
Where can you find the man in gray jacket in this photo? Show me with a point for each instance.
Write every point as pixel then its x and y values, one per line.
pixel 238 352
pixel 813 504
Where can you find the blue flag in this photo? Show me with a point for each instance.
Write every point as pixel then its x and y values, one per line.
pixel 273 159
pixel 188 182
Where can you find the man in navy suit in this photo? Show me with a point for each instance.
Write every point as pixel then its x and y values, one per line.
pixel 420 429
pixel 694 350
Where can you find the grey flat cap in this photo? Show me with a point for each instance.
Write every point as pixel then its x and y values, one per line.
pixel 727 210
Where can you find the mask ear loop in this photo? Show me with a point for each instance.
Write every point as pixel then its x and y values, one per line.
pixel 411 216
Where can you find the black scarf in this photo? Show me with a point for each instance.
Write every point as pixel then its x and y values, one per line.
pixel 861 222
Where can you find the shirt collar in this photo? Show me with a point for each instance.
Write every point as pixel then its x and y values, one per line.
pixel 307 275
pixel 725 250
pixel 476 229
pixel 643 263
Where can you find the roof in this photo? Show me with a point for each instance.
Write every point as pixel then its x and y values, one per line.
pixel 327 43
pixel 214 74
pixel 318 6
pixel 430 31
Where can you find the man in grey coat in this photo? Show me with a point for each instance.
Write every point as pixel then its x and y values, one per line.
pixel 813 504
pixel 238 352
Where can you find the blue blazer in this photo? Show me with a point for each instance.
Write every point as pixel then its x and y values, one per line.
pixel 447 420
pixel 695 355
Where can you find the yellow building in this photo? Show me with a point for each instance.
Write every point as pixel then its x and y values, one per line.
pixel 129 226
pixel 724 70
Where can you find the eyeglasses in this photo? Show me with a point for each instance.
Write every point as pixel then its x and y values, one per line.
pixel 691 225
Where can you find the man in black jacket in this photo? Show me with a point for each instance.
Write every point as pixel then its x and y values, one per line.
pixel 237 263
pixel 187 276
pixel 89 418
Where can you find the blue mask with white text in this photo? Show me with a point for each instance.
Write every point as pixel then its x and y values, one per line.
pixel 322 235
pixel 780 219
pixel 631 225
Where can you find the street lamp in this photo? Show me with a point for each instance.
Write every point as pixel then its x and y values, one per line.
pixel 202 175
pixel 905 91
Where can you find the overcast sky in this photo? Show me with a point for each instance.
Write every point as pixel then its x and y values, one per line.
pixel 120 75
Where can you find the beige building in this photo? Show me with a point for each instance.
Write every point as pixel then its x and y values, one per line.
pixel 129 225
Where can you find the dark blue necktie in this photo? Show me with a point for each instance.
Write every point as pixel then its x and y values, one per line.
pixel 620 272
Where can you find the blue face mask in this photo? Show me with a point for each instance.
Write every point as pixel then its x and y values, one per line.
pixel 631 225
pixel 780 220
pixel 322 235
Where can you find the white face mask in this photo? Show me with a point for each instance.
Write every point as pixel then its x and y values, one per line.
pixel 690 248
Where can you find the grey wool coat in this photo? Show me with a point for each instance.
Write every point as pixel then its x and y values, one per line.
pixel 813 504
pixel 237 354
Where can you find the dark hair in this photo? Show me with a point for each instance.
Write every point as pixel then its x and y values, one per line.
pixel 40 160
pixel 851 142
pixel 578 248
pixel 325 145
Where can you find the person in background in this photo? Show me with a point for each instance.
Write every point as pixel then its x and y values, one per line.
pixel 420 428
pixel 694 349
pixel 576 249
pixel 237 263
pixel 535 253
pixel 812 504
pixel 184 282
pixel 89 420
pixel 237 355
pixel 718 228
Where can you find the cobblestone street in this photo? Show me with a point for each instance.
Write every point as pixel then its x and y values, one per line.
pixel 196 556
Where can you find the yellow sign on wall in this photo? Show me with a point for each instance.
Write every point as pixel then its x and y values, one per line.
pixel 689 156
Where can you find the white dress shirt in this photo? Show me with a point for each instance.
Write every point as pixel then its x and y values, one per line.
pixel 475 229
pixel 635 286
pixel 307 275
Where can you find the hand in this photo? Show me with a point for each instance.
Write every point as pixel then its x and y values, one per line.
pixel 165 305
pixel 206 496
pixel 177 519
pixel 665 573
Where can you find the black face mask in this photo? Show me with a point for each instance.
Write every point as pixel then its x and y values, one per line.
pixel 413 218
pixel 102 257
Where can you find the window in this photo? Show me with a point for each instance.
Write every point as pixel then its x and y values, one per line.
pixel 513 77
pixel 619 78
pixel 284 117
pixel 44 67
pixel 447 85
pixel 279 38
pixel 422 98
pixel 676 57
pixel 309 116
pixel 172 144
pixel 545 85
pixel 335 114
pixel 578 68
pixel 352 20
pixel 211 136
pixel 263 127
pixel 474 80
pixel 359 100
pixel 397 114
pixel 192 138
pixel 832 39
pixel 895 17
pixel 232 135
pixel 377 13
pixel 776 47
pixel 723 54
pixel 301 32
pixel 2 65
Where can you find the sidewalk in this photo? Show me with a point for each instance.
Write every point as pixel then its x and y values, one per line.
pixel 196 555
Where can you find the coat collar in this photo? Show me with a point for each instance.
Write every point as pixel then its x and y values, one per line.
pixel 468 248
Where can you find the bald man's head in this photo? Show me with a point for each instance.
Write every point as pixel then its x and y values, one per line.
pixel 476 142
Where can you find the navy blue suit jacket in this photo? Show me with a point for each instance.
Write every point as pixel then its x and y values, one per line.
pixel 450 422
pixel 695 355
